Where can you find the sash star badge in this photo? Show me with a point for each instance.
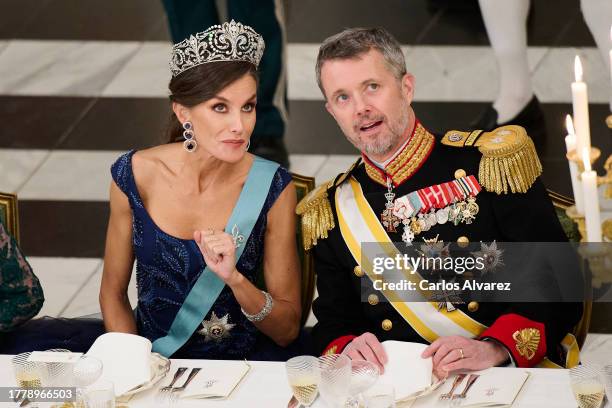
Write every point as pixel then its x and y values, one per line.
pixel 216 329
pixel 491 256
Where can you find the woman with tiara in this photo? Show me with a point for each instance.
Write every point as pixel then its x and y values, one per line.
pixel 201 217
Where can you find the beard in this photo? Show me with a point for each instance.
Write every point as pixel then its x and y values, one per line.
pixel 387 139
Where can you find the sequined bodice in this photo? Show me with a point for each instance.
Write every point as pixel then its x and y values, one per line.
pixel 167 268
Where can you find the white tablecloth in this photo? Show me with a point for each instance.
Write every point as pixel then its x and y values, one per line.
pixel 266 386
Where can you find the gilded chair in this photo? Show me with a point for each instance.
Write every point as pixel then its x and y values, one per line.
pixel 9 215
pixel 303 186
pixel 561 204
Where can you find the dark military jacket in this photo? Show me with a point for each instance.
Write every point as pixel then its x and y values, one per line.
pixel 525 217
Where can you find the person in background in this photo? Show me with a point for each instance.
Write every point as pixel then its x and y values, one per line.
pixel 186 17
pixel 506 24
pixel 21 295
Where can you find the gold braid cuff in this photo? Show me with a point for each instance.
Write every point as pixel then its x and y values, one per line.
pixel 509 159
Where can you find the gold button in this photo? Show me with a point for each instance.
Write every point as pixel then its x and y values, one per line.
pixel 459 173
pixel 463 241
pixel 373 299
pixel 387 325
pixel 358 271
pixel 473 306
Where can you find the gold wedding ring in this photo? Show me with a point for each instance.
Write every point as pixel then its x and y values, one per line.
pixel 461 354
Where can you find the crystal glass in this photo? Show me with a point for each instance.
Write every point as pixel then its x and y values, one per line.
pixel 587 386
pixel 28 374
pixel 335 379
pixel 59 374
pixel 607 374
pixel 363 375
pixel 86 371
pixel 101 394
pixel 380 395
pixel 303 375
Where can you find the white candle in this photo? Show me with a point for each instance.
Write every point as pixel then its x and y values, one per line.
pixel 591 200
pixel 570 144
pixel 580 103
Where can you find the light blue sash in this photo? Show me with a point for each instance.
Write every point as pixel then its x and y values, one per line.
pixel 205 291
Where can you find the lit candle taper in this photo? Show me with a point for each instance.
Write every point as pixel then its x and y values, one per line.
pixel 570 144
pixel 591 200
pixel 580 103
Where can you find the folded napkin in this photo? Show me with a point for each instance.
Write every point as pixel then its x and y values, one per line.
pixel 126 360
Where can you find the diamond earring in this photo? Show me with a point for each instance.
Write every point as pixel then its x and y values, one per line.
pixel 190 143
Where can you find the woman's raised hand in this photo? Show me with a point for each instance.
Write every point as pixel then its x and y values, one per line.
pixel 219 252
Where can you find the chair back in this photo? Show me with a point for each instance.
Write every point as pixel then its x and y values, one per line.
pixel 9 215
pixel 561 204
pixel 303 186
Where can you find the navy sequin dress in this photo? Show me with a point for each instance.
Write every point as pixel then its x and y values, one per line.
pixel 167 268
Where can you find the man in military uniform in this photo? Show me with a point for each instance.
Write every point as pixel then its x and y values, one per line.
pixel 406 187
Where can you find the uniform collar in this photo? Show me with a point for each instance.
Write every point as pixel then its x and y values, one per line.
pixel 407 160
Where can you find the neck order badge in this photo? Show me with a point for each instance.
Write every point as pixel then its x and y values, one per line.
pixel 204 293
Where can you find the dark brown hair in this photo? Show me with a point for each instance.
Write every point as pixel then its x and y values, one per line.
pixel 353 42
pixel 201 83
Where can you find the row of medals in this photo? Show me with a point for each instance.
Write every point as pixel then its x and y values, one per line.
pixel 460 211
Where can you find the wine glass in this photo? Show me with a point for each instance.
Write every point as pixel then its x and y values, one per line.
pixel 363 375
pixel 335 379
pixel 86 371
pixel 59 374
pixel 303 375
pixel 587 386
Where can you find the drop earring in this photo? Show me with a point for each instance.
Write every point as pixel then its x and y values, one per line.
pixel 190 143
pixel 248 145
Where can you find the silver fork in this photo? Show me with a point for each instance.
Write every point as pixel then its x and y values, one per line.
pixel 162 392
pixel 174 393
pixel 470 381
pixel 456 383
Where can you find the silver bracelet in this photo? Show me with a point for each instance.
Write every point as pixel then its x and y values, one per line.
pixel 265 311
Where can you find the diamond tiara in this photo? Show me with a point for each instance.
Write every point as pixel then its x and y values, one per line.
pixel 226 42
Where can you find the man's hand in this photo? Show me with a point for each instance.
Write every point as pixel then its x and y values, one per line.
pixel 367 347
pixel 455 353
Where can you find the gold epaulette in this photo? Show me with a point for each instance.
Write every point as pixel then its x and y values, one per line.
pixel 315 210
pixel 509 159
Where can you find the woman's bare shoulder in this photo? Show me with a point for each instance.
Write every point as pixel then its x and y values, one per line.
pixel 150 163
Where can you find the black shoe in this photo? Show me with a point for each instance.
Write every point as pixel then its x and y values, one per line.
pixel 531 118
pixel 271 148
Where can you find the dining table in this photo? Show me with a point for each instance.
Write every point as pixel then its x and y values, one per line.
pixel 266 386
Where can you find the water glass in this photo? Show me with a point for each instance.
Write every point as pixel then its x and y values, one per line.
pixel 100 395
pixel 59 374
pixel 380 395
pixel 86 371
pixel 363 375
pixel 304 376
pixel 587 386
pixel 335 379
pixel 28 374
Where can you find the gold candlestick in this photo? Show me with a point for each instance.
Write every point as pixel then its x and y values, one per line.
pixel 579 220
pixel 576 157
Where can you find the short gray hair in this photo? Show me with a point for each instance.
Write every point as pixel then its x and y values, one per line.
pixel 353 42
